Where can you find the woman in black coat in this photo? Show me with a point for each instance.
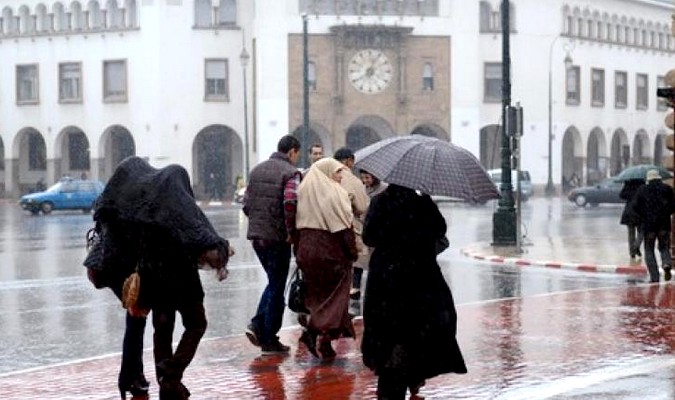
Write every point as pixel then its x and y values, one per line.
pixel 409 314
pixel 630 218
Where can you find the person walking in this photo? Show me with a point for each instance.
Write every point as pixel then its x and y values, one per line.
pixel 326 251
pixel 152 225
pixel 373 187
pixel 270 204
pixel 409 317
pixel 630 218
pixel 360 201
pixel 654 203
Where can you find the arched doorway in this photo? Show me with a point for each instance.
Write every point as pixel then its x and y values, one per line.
pixel 572 156
pixel 217 161
pixel 367 130
pixel 431 130
pixel 490 147
pixel 660 149
pixel 596 157
pixel 31 152
pixel 71 156
pixel 641 149
pixel 619 156
pixel 117 144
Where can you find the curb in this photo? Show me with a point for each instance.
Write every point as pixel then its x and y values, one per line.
pixel 585 267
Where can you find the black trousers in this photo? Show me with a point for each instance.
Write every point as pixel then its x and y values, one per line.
pixel 171 364
pixel 132 350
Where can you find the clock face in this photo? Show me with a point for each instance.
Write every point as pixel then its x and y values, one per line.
pixel 370 71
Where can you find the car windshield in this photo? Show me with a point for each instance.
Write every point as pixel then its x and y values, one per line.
pixel 61 187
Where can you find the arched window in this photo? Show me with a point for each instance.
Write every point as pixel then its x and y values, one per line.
pixel 76 16
pixel 95 20
pixel 227 12
pixel 618 34
pixel 26 25
pixel 60 23
pixel 598 31
pixel 203 13
pixel 114 14
pixel 131 15
pixel 42 18
pixel 311 75
pixel 7 20
pixel 427 77
pixel 570 25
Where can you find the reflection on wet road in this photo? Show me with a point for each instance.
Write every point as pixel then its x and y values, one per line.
pixel 50 313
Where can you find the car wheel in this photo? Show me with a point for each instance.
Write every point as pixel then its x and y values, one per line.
pixel 46 207
pixel 580 200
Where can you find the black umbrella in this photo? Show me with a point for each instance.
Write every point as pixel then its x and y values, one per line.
pixel 430 165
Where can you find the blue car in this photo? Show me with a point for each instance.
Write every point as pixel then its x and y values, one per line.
pixel 67 194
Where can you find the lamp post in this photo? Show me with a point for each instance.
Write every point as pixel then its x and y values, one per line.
pixel 244 57
pixel 550 187
pixel 305 88
pixel 504 218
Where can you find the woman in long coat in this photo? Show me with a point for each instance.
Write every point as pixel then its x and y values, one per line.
pixel 326 250
pixel 409 314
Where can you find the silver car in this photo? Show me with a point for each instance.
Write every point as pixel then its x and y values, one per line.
pixel 525 182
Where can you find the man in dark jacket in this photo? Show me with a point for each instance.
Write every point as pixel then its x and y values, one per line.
pixel 630 218
pixel 654 203
pixel 270 205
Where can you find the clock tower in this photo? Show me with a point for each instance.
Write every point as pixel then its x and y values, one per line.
pixel 370 82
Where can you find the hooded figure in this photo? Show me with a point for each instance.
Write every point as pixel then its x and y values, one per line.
pixel 326 250
pixel 409 318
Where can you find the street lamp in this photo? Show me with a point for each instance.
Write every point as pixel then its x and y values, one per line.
pixel 550 188
pixel 305 88
pixel 244 57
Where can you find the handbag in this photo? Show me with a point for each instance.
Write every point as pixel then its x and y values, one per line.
pixel 94 259
pixel 131 293
pixel 297 292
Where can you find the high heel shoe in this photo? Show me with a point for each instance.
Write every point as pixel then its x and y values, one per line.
pixel 173 390
pixel 138 388
pixel 309 339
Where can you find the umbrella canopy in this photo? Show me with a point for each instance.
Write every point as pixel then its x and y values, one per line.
pixel 427 164
pixel 640 172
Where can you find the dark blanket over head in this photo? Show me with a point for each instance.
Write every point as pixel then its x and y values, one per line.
pixel 161 198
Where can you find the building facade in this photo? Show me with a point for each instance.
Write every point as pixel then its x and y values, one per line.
pixel 213 84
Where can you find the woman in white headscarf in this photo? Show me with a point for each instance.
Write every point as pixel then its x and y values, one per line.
pixel 326 249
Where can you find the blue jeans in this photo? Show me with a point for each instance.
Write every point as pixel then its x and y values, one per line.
pixel 663 237
pixel 275 258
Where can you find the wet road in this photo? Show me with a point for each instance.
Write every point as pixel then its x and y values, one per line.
pixel 50 313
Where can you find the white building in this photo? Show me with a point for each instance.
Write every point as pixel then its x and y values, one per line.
pixel 85 83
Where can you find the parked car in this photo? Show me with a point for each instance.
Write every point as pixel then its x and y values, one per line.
pixel 525 182
pixel 67 194
pixel 606 191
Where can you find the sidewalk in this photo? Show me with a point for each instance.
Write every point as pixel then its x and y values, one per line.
pixel 569 345
pixel 616 343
